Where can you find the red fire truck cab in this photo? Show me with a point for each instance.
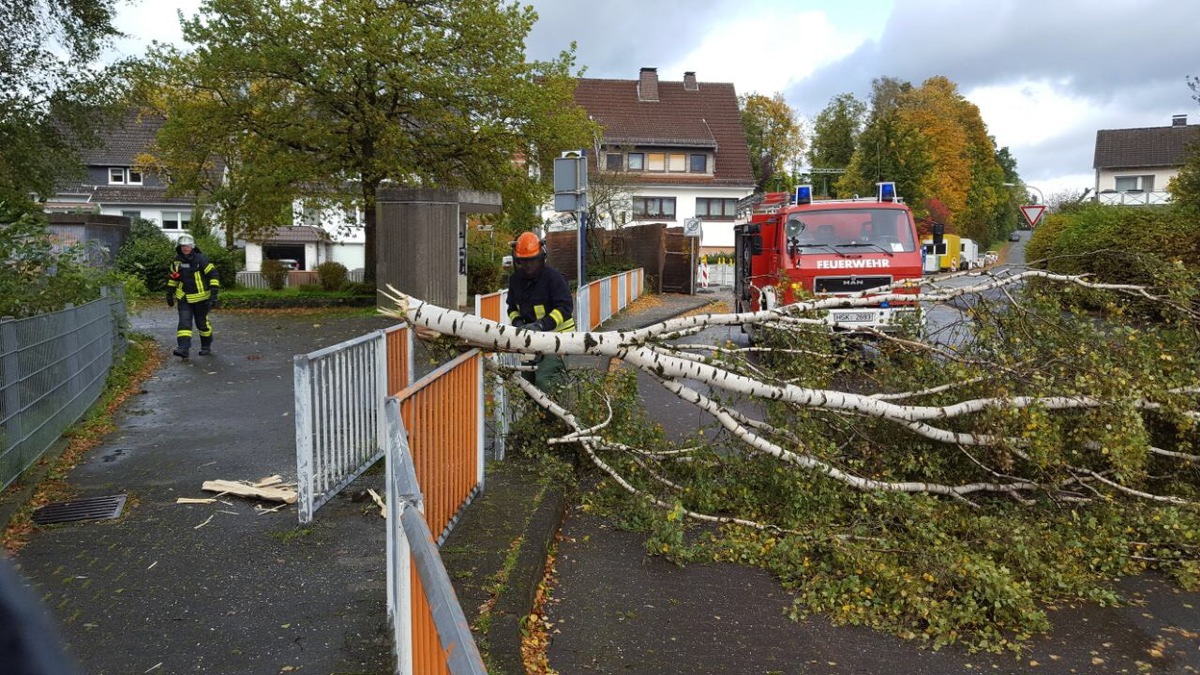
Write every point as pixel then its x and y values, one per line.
pixel 844 247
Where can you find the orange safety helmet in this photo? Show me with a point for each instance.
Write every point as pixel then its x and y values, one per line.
pixel 528 245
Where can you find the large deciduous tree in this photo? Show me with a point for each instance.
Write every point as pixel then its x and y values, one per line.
pixel 49 91
pixel 951 491
pixel 835 135
pixel 773 135
pixel 244 184
pixel 888 149
pixel 345 96
pixel 934 144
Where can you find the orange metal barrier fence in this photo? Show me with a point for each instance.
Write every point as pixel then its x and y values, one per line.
pixel 428 656
pixel 400 369
pixel 492 306
pixel 443 413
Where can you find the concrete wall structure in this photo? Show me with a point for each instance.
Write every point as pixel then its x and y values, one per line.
pixel 422 241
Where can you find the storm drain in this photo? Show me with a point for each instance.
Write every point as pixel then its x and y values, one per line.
pixel 94 508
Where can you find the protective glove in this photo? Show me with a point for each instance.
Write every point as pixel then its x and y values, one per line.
pixel 171 298
pixel 213 300
pixel 519 323
pixel 545 324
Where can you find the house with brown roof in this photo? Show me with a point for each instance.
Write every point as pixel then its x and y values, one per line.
pixel 1133 166
pixel 114 185
pixel 676 149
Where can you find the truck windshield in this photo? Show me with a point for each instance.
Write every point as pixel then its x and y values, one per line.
pixel 888 230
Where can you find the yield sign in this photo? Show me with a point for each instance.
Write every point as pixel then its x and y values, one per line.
pixel 1033 213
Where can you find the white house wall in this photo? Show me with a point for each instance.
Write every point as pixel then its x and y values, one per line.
pixel 151 213
pixel 352 255
pixel 718 234
pixel 347 245
pixel 1107 178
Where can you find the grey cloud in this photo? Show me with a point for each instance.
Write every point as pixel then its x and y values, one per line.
pixel 616 38
pixel 1128 58
pixel 1100 51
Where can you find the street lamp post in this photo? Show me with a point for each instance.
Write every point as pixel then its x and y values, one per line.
pixel 1041 197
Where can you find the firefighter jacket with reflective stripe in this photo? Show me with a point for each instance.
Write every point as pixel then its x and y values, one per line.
pixel 192 276
pixel 545 295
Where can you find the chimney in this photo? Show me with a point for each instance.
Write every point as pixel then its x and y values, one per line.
pixel 648 85
pixel 1179 120
pixel 689 81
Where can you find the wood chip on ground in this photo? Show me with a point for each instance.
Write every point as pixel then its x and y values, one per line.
pixel 281 493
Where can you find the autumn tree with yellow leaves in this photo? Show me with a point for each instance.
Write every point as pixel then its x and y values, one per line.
pixel 934 144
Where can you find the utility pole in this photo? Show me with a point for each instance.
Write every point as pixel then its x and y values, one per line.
pixel 570 194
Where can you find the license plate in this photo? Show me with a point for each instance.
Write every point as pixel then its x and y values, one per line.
pixel 853 317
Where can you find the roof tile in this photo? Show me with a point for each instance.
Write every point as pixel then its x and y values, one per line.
pixel 1146 147
pixel 704 117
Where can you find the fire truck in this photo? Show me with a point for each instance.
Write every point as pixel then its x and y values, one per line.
pixel 849 248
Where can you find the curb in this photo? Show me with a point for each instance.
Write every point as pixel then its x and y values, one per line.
pixel 515 603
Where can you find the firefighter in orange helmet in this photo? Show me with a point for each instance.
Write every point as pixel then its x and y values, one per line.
pixel 539 299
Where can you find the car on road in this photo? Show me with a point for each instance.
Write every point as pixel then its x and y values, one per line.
pixel 1015 236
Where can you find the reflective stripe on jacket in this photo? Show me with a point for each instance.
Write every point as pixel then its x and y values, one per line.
pixel 544 295
pixel 192 276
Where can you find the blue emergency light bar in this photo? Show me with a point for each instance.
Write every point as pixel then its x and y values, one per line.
pixel 887 192
pixel 803 194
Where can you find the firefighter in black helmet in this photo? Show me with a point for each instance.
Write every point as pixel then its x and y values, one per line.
pixel 539 299
pixel 193 286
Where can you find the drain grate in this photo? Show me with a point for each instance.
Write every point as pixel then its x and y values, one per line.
pixel 94 508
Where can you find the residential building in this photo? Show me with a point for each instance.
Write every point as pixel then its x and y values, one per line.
pixel 1133 166
pixel 114 185
pixel 319 235
pixel 673 150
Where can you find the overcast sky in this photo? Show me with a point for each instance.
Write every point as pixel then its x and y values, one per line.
pixel 1046 74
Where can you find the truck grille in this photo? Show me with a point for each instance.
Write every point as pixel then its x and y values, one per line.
pixel 849 284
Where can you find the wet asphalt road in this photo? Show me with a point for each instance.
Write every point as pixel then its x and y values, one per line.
pixel 617 610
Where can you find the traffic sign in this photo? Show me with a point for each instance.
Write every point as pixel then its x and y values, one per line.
pixel 1033 213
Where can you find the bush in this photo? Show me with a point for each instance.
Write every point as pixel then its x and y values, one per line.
pixel 39 277
pixel 485 254
pixel 221 257
pixel 147 255
pixel 1117 244
pixel 275 274
pixel 332 275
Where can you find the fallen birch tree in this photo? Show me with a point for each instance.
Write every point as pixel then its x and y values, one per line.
pixel 1073 399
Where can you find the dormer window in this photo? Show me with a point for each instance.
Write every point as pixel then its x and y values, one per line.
pixel 118 175
pixel 658 162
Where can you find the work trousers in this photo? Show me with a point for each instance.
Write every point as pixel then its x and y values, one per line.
pixel 190 312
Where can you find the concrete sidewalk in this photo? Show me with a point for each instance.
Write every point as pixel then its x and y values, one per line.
pixel 222 588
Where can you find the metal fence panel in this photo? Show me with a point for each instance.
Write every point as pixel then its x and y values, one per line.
pixel 443 415
pixel 52 369
pixel 428 625
pixel 339 392
pixel 257 280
